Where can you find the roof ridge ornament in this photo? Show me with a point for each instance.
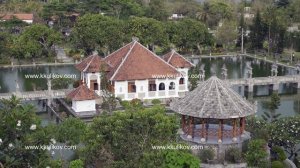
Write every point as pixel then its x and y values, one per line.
pixel 135 39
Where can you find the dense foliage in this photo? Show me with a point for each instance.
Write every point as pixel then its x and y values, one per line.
pixel 126 139
pixel 256 155
pixel 21 128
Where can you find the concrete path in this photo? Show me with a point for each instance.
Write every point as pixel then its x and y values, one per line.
pixel 61 55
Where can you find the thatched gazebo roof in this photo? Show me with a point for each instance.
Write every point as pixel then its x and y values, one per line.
pixel 213 98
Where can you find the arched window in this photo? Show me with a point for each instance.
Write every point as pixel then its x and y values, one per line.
pixel 172 86
pixel 181 81
pixel 161 86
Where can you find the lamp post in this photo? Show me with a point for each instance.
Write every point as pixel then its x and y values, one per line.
pixel 242 45
pixel 292 49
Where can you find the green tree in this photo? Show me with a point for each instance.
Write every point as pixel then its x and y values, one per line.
pixel 13 26
pixel 120 8
pixel 215 11
pixel 70 131
pixel 6 46
pixel 21 127
pixel 76 164
pixel 271 115
pixel 285 132
pixel 227 34
pixel 258 128
pixel 97 32
pixel 169 159
pixel 125 136
pixel 59 12
pixel 37 41
pixel 157 10
pixel 188 34
pixel 257 33
pixel 61 83
pixel 257 153
pixel 150 32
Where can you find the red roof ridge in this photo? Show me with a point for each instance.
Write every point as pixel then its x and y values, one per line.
pixel 172 53
pixel 117 50
pixel 159 57
pixel 93 56
pixel 87 94
pixel 175 52
pixel 123 59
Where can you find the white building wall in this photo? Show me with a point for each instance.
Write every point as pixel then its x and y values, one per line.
pixel 142 89
pixel 87 77
pixel 184 72
pixel 85 105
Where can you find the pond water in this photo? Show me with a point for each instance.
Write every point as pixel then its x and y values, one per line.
pixel 8 76
pixel 236 69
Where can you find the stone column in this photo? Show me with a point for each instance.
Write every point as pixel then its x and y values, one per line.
pixel 183 125
pixel 49 92
pixel 190 128
pixel 234 130
pixel 243 124
pixel 220 132
pixel 203 139
pixel 193 126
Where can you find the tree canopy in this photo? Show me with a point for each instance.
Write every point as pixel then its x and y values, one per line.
pixel 37 41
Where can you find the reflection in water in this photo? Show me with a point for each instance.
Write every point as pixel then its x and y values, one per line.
pixel 8 76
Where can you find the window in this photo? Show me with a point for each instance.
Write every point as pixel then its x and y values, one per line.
pixel 161 86
pixel 172 86
pixel 181 81
pixel 131 87
pixel 152 85
pixel 95 86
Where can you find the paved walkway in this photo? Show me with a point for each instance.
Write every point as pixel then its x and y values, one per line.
pixel 61 55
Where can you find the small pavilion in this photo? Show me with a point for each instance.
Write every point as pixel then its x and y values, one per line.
pixel 213 114
pixel 83 99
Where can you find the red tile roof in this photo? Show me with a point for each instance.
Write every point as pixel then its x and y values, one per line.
pixel 21 16
pixel 82 92
pixel 177 60
pixel 136 62
pixel 93 63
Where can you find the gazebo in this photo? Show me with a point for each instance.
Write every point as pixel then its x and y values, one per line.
pixel 214 114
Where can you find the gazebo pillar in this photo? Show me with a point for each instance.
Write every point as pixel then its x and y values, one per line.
pixel 220 131
pixel 234 130
pixel 183 123
pixel 242 125
pixel 193 126
pixel 190 128
pixel 203 137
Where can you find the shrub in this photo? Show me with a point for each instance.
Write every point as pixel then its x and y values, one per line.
pixel 206 154
pixel 277 164
pixel 76 164
pixel 156 101
pixel 256 155
pixel 125 103
pixel 279 152
pixel 297 161
pixel 233 155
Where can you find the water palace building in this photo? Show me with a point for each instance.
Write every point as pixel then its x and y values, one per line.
pixel 134 71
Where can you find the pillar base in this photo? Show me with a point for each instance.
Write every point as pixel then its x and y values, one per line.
pixel 220 141
pixel 234 139
pixel 203 140
pixel 180 132
pixel 189 137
